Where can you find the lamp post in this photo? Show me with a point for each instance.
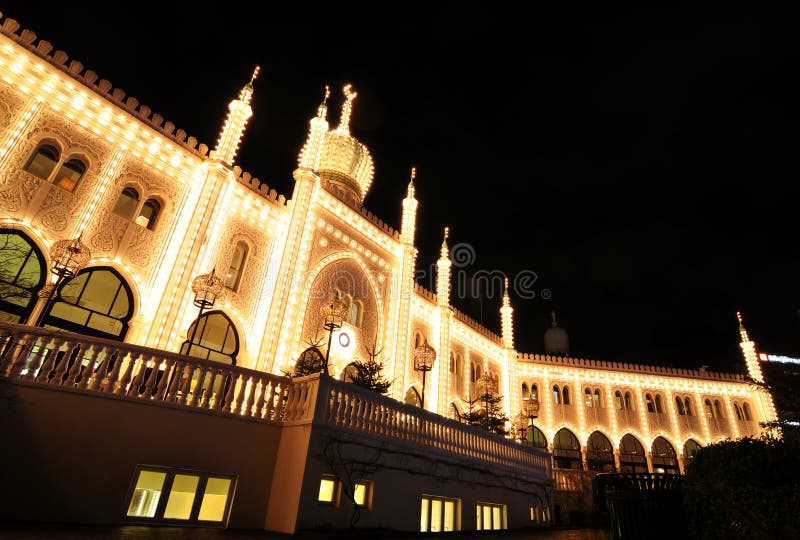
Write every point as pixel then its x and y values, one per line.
pixel 424 357
pixel 207 289
pixel 531 410
pixel 69 258
pixel 333 313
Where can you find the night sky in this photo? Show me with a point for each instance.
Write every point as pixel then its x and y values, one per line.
pixel 639 161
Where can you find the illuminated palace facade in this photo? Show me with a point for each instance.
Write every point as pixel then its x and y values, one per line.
pixel 81 160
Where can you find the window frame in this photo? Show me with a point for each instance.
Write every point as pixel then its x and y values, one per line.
pixel 444 500
pixel 166 490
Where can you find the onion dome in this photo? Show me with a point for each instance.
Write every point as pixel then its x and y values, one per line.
pixel 345 162
pixel 556 341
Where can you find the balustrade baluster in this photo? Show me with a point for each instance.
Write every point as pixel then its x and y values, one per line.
pixel 87 374
pixel 175 382
pixel 121 385
pixel 187 384
pixel 161 389
pixel 75 368
pixel 197 391
pixel 140 368
pixel 101 378
pixel 10 347
pixel 208 392
pixel 153 378
pixel 262 390
pixel 248 411
pixel 42 361
pixel 270 395
pixel 63 365
pixel 229 404
pixel 240 395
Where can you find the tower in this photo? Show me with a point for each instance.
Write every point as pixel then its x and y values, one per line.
pixel 507 319
pixel 239 112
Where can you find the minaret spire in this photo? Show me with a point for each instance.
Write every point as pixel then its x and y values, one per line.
pixel 239 112
pixel 749 352
pixel 318 127
pixel 409 222
pixel 507 319
pixel 347 109
pixel 443 272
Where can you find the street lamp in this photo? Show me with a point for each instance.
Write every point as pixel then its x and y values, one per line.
pixel 69 258
pixel 424 357
pixel 207 289
pixel 333 313
pixel 531 410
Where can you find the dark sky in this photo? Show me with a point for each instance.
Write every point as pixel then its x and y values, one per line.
pixel 640 161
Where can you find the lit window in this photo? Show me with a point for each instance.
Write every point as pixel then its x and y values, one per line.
pixel 556 395
pixel 148 213
pixel 746 412
pixel 618 400
pixel 648 399
pixel 43 161
pixel 491 516
pixel 709 409
pixel 234 275
pixel 589 402
pixel 146 494
pixel 627 401
pixel 679 406
pixel 362 494
pixel 69 174
pixel 439 514
pixel 127 203
pixel 181 490
pixel 328 491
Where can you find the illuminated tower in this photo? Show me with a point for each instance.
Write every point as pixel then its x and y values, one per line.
pixel 239 112
pixel 409 223
pixel 318 127
pixel 442 378
pixel 507 319
pixel 443 272
pixel 754 371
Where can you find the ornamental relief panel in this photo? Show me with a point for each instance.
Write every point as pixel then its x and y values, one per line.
pixel 17 189
pixel 245 299
pixel 10 104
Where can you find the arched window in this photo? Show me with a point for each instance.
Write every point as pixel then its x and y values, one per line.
pixel 43 161
pixel 565 394
pixel 599 453
pixel 349 373
pixel 212 337
pixel 627 401
pixel 588 397
pixel 148 214
pixel 746 411
pixel 598 402
pixel 690 449
pixel 566 450
pixel 418 342
pixel 526 394
pixel 412 397
pixel 709 408
pixel 234 275
pixel 663 457
pixel 718 409
pixel 70 174
pixel 22 275
pixel 127 202
pixel 537 438
pixel 738 411
pixel 618 400
pixel 474 372
pixel 534 392
pixel 659 409
pixel 679 406
pixel 631 455
pixel 96 302
pixel 648 399
pixel 687 405
pixel 556 395
pixel 354 312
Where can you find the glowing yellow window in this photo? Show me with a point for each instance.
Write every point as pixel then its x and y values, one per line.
pixel 361 494
pixel 181 497
pixel 215 499
pixel 327 490
pixel 146 494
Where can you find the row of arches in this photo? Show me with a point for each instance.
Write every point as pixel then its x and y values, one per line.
pixel 97 301
pixel 48 163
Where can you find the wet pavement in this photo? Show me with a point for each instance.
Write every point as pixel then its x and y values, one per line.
pixel 15 531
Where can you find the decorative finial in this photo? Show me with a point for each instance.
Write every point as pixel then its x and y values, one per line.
pixel 255 74
pixel 413 173
pixel 553 318
pixel 347 108
pixel 505 288
pixel 446 233
pixel 327 94
pixel 739 316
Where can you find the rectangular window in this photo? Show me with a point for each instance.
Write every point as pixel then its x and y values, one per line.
pixel 165 494
pixel 439 514
pixel 490 516
pixel 329 490
pixel 362 493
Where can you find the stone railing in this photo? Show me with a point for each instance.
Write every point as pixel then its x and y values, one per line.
pixel 349 407
pixel 92 365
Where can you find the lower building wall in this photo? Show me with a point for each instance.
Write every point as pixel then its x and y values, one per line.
pixel 71 457
pixel 399 475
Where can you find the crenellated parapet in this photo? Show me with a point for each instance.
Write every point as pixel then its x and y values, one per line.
pixel 629 368
pixel 103 87
pixel 255 185
pixel 475 325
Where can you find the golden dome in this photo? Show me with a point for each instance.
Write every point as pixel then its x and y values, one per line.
pixel 343 159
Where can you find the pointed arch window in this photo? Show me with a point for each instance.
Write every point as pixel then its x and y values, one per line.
pixel 687 405
pixel 148 214
pixel 618 400
pixel 127 203
pixel 565 395
pixel 597 398
pixel 70 174
pixel 631 455
pixel 212 337
pixel 566 450
pixel 659 409
pixel 412 397
pixel 96 302
pixel 738 411
pixel 718 409
pixel 235 270
pixel 627 401
pixel 679 406
pixel 663 457
pixel 690 449
pixel 651 407
pixel 599 453
pixel 534 392
pixel 43 161
pixel 537 438
pixel 22 275
pixel 746 412
pixel 556 395
pixel 709 408
pixel 588 399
